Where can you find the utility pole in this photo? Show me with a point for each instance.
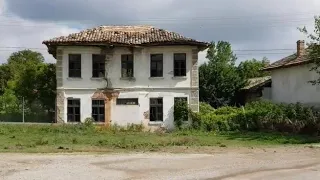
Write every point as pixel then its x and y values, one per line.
pixel 23 109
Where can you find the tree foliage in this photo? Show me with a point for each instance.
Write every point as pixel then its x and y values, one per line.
pixel 26 75
pixel 313 51
pixel 219 78
pixel 252 68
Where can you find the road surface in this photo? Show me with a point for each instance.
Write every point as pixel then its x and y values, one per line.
pixel 255 164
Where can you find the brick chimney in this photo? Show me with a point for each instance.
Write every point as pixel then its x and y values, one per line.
pixel 300 48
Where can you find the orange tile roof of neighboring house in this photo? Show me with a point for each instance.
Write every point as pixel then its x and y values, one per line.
pixel 298 58
pixel 257 82
pixel 288 61
pixel 124 35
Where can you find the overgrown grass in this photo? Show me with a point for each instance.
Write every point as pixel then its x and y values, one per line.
pixel 72 138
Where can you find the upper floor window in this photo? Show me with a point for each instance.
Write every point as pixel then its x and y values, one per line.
pixel 156 65
pixel 127 65
pixel 180 64
pixel 98 65
pixel 75 65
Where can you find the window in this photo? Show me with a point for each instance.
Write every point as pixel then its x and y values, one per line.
pixel 73 110
pixel 127 65
pixel 156 66
pixel 179 64
pixel 75 65
pixel 127 101
pixel 183 99
pixel 180 111
pixel 98 110
pixel 156 109
pixel 98 65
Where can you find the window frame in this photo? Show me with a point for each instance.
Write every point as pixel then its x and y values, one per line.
pixel 101 104
pixel 159 72
pixel 135 100
pixel 127 59
pixel 157 106
pixel 179 98
pixel 73 105
pixel 101 65
pixel 179 71
pixel 74 72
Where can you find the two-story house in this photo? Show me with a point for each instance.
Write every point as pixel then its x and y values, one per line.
pixel 125 75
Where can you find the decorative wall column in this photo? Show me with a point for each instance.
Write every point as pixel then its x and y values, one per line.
pixel 60 110
pixel 111 96
pixel 194 101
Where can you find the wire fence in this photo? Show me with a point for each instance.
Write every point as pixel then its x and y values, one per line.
pixel 22 113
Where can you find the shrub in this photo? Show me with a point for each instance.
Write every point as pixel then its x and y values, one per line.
pixel 259 116
pixel 180 113
pixel 226 110
pixel 205 108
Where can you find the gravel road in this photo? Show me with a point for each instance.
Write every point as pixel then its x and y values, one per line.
pixel 255 164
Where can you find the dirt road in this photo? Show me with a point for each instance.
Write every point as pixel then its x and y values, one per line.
pixel 280 163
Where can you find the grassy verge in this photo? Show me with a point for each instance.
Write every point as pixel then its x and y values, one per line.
pixel 80 138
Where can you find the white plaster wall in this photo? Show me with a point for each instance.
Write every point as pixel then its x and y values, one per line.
pixel 123 115
pixel 141 68
pixel 290 85
pixel 267 93
pixel 85 102
pixel 127 114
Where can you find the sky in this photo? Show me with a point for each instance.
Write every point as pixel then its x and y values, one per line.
pixel 255 28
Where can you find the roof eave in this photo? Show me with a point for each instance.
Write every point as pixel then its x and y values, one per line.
pixel 286 66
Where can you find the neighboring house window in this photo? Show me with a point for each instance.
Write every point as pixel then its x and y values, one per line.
pixel 156 66
pixel 127 101
pixel 98 65
pixel 98 110
pixel 75 65
pixel 73 110
pixel 127 65
pixel 180 64
pixel 156 109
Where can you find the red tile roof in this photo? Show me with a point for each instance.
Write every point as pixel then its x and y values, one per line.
pixel 292 60
pixel 125 35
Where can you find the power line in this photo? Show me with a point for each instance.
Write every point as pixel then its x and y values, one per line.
pixel 35 48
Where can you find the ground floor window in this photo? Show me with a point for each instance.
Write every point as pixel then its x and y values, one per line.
pixel 98 110
pixel 127 101
pixel 181 111
pixel 182 99
pixel 73 111
pixel 156 109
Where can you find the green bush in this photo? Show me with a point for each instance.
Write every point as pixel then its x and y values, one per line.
pixel 180 113
pixel 205 108
pixel 259 116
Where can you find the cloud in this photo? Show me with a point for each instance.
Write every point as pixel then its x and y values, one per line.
pixel 246 24
pixel 17 32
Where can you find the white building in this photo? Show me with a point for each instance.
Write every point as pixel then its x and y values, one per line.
pixel 125 74
pixel 290 79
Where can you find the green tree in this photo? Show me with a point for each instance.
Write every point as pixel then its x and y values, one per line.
pixel 219 80
pixel 252 68
pixel 32 79
pixel 5 76
pixel 313 51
